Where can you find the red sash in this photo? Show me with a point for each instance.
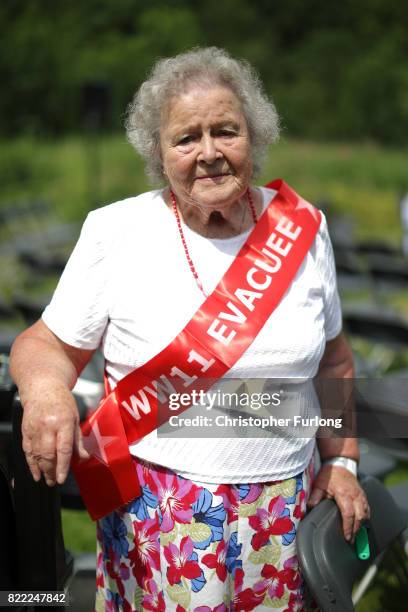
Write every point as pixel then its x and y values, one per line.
pixel 213 340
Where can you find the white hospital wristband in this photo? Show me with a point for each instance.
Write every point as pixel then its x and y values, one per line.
pixel 344 462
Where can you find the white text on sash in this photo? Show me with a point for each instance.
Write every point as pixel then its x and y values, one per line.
pixel 258 279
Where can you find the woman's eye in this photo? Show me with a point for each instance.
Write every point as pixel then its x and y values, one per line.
pixel 226 133
pixel 185 140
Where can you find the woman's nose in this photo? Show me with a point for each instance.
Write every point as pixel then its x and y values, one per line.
pixel 209 151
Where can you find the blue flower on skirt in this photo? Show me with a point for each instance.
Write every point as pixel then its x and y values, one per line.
pixel 139 505
pixel 288 537
pixel 243 490
pixel 299 487
pixel 114 535
pixel 233 551
pixel 115 601
pixel 213 517
pixel 197 583
pixel 248 493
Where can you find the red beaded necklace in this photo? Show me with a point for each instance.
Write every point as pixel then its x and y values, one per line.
pixel 183 240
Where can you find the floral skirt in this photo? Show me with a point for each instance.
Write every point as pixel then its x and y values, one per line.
pixel 190 546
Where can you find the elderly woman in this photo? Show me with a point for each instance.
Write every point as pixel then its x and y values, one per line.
pixel 213 526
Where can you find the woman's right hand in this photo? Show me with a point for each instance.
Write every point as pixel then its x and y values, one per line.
pixel 51 431
pixel 45 369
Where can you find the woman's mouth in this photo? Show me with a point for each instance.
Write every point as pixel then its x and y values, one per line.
pixel 211 177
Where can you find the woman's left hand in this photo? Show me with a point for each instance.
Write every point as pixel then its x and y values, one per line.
pixel 337 483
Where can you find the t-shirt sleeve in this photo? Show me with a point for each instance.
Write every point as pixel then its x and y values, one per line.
pixel 327 272
pixel 78 311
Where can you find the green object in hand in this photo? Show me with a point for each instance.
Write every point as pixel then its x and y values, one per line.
pixel 362 544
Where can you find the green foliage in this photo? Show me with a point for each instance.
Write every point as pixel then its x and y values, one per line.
pixel 336 70
pixel 76 175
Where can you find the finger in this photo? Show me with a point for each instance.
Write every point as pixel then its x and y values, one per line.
pixel 47 456
pixel 31 461
pixel 315 497
pixel 79 443
pixel 48 469
pixel 33 467
pixel 65 441
pixel 362 512
pixel 347 511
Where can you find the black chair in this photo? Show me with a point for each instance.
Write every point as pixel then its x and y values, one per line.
pixel 8 574
pixel 351 273
pixel 34 557
pixel 388 269
pixel 382 413
pixel 376 324
pixel 377 247
pixel 43 261
pixel 42 561
pixel 329 564
pixel 381 399
pixel 374 461
pixel 32 552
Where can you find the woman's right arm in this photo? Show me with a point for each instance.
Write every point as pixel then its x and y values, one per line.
pixel 45 369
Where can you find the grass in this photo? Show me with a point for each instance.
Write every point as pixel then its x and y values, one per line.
pixel 363 181
pixel 79 531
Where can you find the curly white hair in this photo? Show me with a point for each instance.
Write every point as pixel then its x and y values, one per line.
pixel 207 66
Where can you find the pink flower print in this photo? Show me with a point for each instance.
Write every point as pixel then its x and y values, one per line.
pixel 273 521
pixel 153 599
pixel 247 600
pixel 273 583
pixel 239 579
pixel 300 508
pixel 179 561
pixel 217 561
pixel 116 568
pixel 119 573
pixel 143 470
pixel 176 496
pixel 100 581
pixel 292 574
pixel 295 603
pixel 146 553
pixel 126 606
pixel 230 499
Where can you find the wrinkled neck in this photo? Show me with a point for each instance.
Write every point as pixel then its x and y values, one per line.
pixel 226 222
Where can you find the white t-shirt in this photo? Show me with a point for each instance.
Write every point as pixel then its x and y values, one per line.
pixel 128 287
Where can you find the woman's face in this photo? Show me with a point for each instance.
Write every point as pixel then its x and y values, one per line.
pixel 205 148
